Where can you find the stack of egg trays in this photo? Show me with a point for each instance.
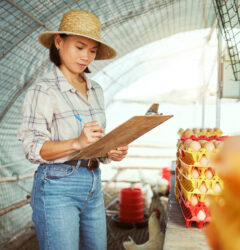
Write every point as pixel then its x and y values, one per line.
pixel 189 211
pixel 190 186
pixel 186 187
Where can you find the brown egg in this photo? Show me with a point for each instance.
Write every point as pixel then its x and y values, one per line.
pixel 217 188
pixel 210 130
pixel 209 174
pixel 204 161
pixel 196 131
pixel 218 130
pixel 180 131
pixel 195 146
pixel 194 200
pixel 187 143
pixel 195 173
pixel 202 142
pixel 203 188
pixel 187 133
pixel 201 215
pixel 203 130
pixel 207 201
pixel 209 146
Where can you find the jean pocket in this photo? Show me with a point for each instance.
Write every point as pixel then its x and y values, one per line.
pixel 56 171
pixel 33 189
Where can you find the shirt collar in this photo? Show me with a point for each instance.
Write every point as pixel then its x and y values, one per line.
pixel 64 85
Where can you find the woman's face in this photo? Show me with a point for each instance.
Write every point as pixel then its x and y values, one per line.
pixel 76 52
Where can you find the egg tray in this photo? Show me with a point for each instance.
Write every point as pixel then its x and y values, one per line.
pixel 187 171
pixel 194 210
pixel 192 156
pixel 189 218
pixel 204 137
pixel 194 184
pixel 189 190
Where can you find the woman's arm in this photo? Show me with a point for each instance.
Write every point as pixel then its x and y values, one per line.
pixel 52 150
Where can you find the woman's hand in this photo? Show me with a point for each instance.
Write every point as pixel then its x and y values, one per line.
pixel 118 154
pixel 91 133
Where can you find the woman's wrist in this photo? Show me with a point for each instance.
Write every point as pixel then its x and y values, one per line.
pixel 76 145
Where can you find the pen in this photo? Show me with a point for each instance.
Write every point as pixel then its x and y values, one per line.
pixel 79 118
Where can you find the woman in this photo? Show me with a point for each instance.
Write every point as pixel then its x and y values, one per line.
pixel 67 202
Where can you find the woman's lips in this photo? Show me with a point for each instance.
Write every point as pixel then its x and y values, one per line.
pixel 82 65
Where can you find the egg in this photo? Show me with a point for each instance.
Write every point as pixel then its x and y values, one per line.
pixel 194 200
pixel 180 131
pixel 209 146
pixel 202 142
pixel 187 133
pixel 201 215
pixel 217 188
pixel 204 161
pixel 196 131
pixel 187 143
pixel 203 130
pixel 209 174
pixel 195 146
pixel 207 202
pixel 218 130
pixel 203 188
pixel 195 173
pixel 210 130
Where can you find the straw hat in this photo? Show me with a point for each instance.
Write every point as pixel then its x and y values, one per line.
pixel 81 23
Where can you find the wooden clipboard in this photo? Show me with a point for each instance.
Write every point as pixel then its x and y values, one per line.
pixel 121 136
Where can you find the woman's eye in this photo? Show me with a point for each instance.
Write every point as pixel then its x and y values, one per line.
pixel 79 48
pixel 94 51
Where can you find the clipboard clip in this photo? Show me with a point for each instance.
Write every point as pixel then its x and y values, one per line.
pixel 153 110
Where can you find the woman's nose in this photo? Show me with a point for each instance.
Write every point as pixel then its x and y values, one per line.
pixel 85 54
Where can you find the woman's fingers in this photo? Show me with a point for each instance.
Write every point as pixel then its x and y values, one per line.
pixel 118 154
pixel 124 148
pixel 94 128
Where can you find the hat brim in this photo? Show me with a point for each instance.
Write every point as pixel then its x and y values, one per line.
pixel 104 51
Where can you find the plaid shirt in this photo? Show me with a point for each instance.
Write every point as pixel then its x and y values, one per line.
pixel 49 111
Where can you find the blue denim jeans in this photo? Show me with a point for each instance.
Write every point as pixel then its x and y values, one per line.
pixel 68 208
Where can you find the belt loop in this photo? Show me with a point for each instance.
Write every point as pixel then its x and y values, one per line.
pixel 78 164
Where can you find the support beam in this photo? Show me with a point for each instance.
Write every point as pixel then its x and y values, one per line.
pixel 220 81
pixel 35 28
pixel 28 14
pixel 14 206
pixel 26 85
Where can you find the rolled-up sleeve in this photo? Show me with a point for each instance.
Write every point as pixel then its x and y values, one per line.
pixel 36 125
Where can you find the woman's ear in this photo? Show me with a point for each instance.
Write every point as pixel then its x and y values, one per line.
pixel 57 41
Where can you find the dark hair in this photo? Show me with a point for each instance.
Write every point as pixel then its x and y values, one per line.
pixel 55 57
